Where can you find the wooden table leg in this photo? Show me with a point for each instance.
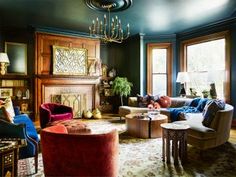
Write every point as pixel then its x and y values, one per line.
pixel 168 147
pixel 163 146
pixel 175 144
pixel 185 148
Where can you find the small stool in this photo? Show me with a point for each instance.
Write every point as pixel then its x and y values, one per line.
pixel 73 126
pixel 175 135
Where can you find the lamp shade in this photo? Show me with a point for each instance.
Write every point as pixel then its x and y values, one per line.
pixel 4 58
pixel 182 77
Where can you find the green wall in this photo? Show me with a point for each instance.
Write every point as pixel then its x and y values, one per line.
pixel 125 58
pixel 25 36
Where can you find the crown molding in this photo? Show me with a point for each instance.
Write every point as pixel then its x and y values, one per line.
pixel 60 31
pixel 209 27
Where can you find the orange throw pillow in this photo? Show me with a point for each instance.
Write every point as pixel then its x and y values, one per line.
pixel 164 101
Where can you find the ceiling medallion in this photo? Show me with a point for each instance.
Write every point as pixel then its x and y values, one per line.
pixel 109 29
pixel 117 5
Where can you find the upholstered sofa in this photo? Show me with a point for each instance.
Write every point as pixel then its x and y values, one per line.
pixel 215 134
pixel 79 154
pixel 200 136
pixel 133 106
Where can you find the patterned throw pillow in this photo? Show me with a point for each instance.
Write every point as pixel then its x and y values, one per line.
pixel 210 111
pixel 4 115
pixel 143 101
pixel 6 110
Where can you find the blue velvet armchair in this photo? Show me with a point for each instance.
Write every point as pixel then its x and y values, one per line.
pixel 22 128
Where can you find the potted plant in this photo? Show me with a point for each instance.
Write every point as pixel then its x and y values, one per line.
pixel 205 93
pixel 122 87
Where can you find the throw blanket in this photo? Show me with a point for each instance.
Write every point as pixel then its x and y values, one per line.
pixel 197 105
pixel 175 112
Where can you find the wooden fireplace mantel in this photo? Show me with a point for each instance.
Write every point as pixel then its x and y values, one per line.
pixel 44 64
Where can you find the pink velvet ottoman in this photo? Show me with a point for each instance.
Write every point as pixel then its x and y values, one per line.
pixel 73 126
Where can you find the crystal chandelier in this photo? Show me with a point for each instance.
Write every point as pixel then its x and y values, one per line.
pixel 109 30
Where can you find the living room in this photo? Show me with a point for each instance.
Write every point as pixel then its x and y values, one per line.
pixel 172 27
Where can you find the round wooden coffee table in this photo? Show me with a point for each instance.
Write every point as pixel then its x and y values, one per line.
pixel 141 126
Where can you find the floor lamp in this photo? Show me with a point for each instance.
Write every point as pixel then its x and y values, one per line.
pixel 182 78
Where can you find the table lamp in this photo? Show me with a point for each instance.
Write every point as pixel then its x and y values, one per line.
pixel 4 61
pixel 182 78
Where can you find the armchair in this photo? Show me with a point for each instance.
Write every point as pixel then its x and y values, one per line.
pixel 79 154
pixel 50 112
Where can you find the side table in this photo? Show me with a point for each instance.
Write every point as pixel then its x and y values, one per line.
pixel 174 135
pixel 9 149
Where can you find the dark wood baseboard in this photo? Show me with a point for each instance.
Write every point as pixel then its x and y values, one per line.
pixel 234 123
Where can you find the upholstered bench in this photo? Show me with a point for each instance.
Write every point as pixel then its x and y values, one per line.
pixel 73 126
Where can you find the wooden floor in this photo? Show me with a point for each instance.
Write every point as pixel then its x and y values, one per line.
pixel 232 138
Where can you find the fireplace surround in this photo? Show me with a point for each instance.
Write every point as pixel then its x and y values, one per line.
pixel 85 86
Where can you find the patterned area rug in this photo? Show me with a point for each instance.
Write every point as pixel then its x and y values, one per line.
pixel 142 157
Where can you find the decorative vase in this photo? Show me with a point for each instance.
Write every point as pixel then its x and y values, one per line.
pixel 88 114
pixel 19 94
pixel 97 114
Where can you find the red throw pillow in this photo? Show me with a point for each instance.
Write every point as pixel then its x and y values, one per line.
pixel 164 101
pixel 157 105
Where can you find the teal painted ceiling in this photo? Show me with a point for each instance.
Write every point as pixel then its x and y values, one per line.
pixel 152 17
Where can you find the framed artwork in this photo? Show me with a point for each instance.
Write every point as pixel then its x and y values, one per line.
pixel 5 92
pixel 17 54
pixel 70 61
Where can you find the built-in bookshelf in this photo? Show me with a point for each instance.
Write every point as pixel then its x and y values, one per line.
pixel 106 96
pixel 20 91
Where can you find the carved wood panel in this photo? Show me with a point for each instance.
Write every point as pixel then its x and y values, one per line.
pixel 43 50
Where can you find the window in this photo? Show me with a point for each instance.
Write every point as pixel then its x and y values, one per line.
pixel 159 62
pixel 206 59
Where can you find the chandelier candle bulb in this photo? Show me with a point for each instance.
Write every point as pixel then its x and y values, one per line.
pixel 105 19
pixel 101 29
pixel 90 30
pixel 93 27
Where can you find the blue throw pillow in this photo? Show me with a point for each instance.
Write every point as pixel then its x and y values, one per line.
pixel 210 111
